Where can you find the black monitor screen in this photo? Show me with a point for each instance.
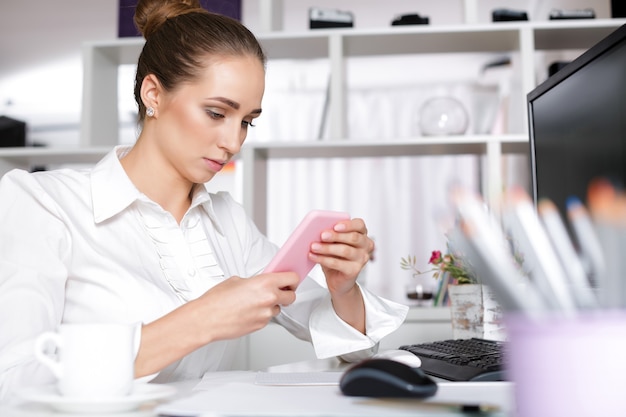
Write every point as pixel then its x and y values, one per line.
pixel 578 123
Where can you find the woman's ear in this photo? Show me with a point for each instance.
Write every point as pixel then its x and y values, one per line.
pixel 151 93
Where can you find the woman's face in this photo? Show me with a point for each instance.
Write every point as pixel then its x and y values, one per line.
pixel 202 124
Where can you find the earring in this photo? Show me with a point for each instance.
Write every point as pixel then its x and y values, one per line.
pixel 149 112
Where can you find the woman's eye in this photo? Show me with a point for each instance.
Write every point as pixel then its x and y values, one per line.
pixel 245 123
pixel 214 115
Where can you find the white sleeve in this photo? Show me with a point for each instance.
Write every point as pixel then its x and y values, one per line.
pixel 32 277
pixel 332 336
pixel 312 317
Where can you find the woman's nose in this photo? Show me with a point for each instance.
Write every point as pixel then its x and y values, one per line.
pixel 232 137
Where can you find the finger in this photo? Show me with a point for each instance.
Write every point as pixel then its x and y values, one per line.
pixel 352 239
pixel 349 238
pixel 353 225
pixel 289 283
pixel 318 250
pixel 346 267
pixel 286 281
pixel 332 255
pixel 282 279
pixel 286 296
pixel 275 310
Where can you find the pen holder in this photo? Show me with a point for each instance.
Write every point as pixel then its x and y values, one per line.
pixel 571 367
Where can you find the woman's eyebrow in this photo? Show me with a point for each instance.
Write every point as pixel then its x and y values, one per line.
pixel 226 101
pixel 233 104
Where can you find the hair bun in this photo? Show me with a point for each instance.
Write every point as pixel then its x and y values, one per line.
pixel 151 14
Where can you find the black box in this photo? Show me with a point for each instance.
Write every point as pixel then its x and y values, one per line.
pixel 410 19
pixel 557 14
pixel 12 132
pixel 508 15
pixel 329 18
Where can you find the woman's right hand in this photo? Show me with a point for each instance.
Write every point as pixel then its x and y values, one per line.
pixel 231 309
pixel 239 306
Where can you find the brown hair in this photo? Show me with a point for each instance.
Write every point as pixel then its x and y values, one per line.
pixel 179 34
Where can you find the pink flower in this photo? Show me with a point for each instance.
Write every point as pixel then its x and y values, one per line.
pixel 435 257
pixel 442 264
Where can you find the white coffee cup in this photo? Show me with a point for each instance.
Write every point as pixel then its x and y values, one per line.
pixel 91 360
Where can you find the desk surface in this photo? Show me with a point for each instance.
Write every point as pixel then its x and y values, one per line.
pixel 236 394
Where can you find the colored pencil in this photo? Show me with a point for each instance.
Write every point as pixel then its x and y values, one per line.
pixel 570 262
pixel 523 226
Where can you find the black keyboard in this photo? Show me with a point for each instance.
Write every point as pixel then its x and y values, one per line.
pixel 462 359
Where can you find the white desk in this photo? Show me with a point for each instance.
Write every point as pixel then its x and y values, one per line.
pixel 236 394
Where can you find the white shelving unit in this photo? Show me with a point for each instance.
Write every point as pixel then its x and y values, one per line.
pixel 100 125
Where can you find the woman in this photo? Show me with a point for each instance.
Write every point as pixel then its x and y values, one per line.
pixel 138 239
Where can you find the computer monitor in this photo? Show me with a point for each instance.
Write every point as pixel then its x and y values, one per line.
pixel 577 123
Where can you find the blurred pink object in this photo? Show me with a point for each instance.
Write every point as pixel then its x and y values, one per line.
pixel 570 367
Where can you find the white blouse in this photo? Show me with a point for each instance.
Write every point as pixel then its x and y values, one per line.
pixel 87 246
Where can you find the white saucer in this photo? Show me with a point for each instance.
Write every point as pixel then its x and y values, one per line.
pixel 142 393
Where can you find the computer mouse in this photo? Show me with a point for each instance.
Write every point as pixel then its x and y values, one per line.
pixel 399 355
pixel 386 378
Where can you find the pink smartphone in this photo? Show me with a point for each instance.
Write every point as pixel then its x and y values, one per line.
pixel 294 254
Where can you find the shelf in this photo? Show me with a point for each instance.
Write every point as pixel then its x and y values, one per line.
pixel 423 146
pixel 394 40
pixel 557 35
pixel 494 37
pixel 255 158
pixel 306 45
pixel 27 157
pixel 431 39
pixel 320 149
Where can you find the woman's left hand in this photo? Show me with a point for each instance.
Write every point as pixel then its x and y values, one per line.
pixel 342 254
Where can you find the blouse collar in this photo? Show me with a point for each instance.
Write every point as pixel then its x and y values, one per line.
pixel 112 191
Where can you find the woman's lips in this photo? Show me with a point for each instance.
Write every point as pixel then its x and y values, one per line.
pixel 214 165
